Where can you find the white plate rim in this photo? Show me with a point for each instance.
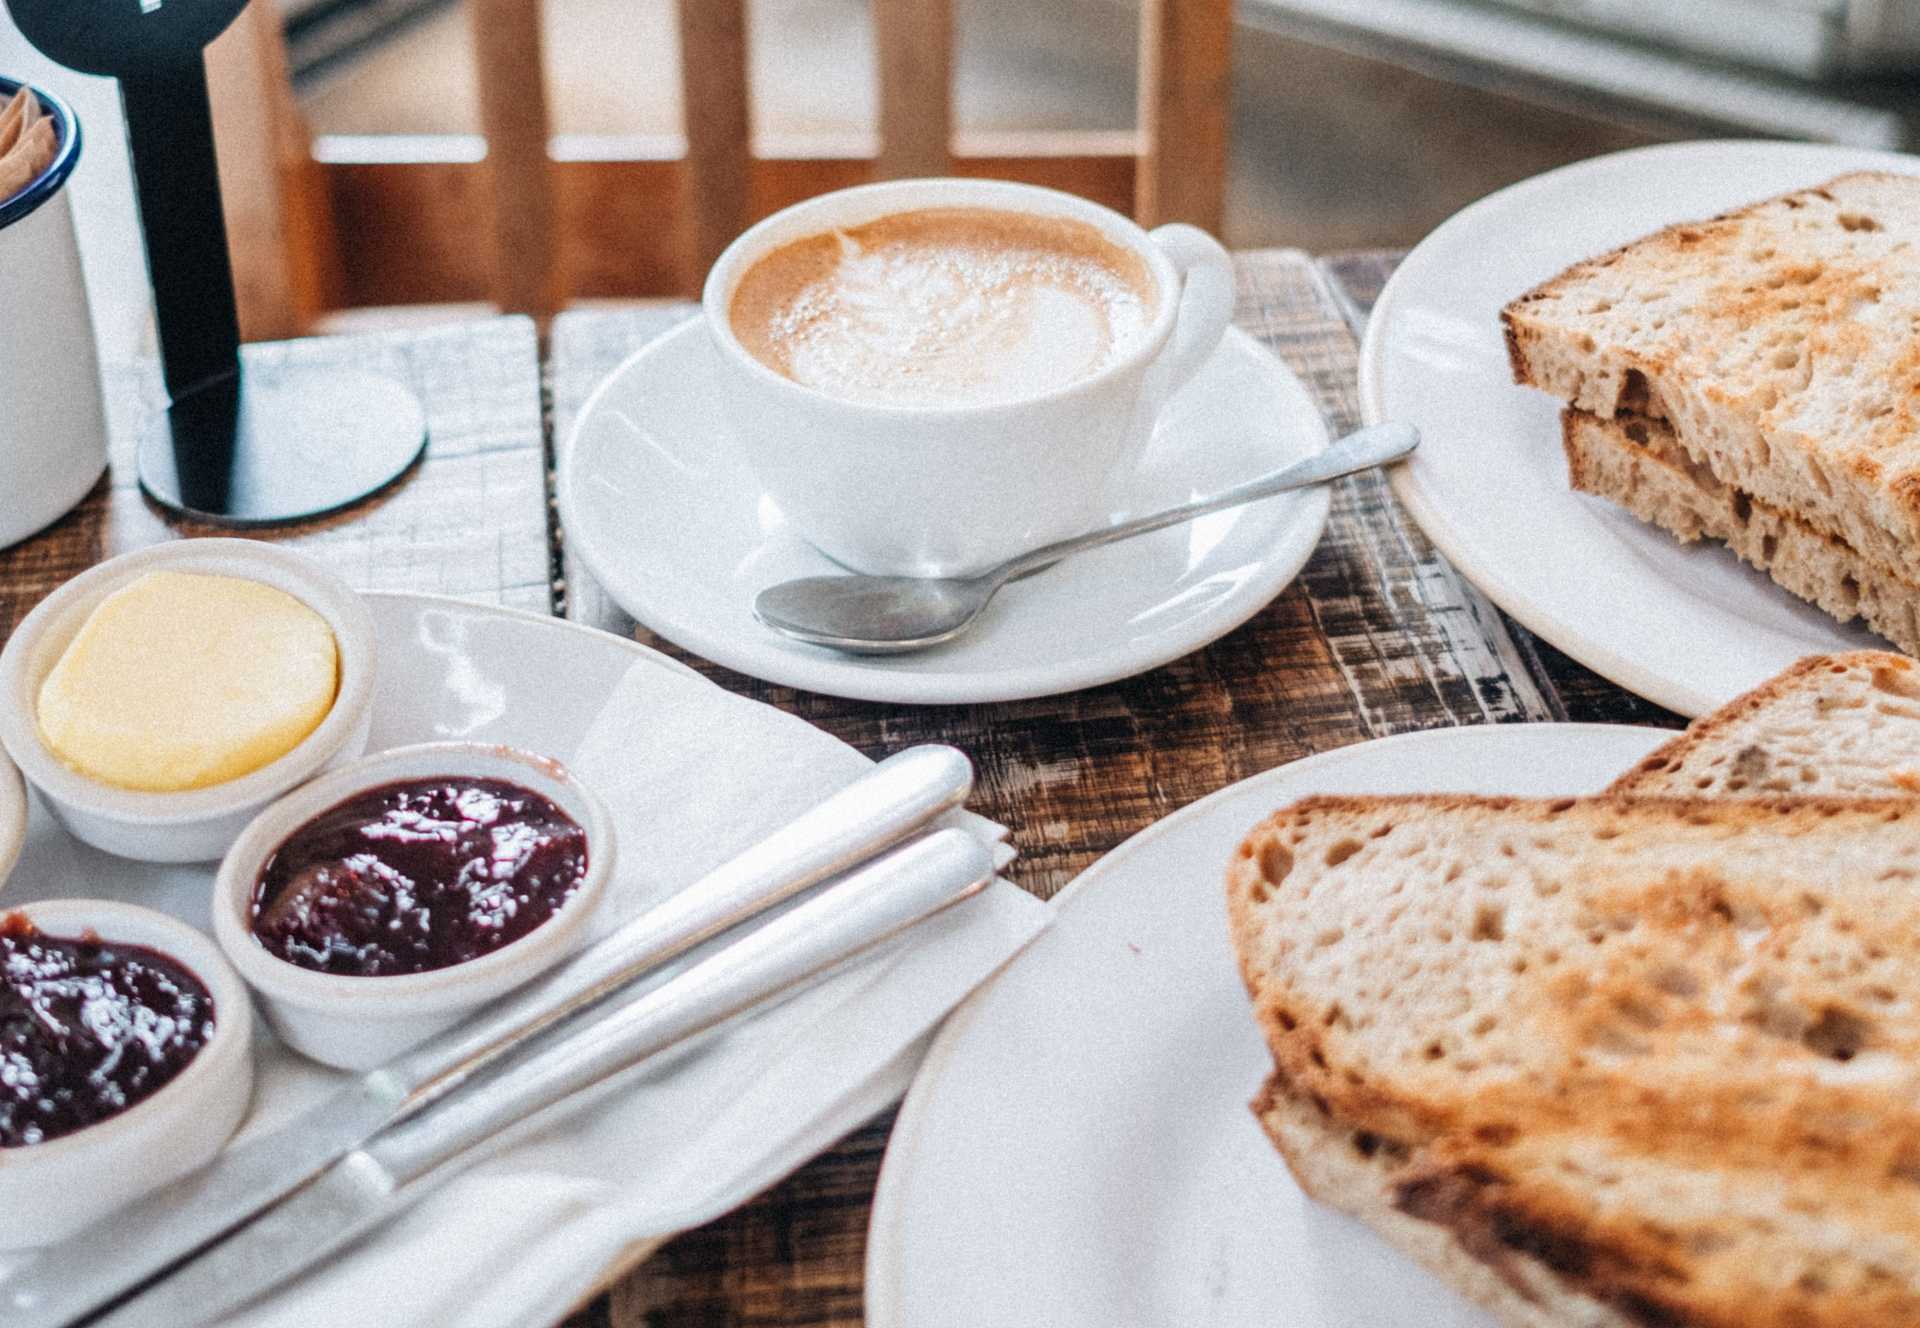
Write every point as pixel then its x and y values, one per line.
pixel 1566 633
pixel 884 1259
pixel 599 634
pixel 831 677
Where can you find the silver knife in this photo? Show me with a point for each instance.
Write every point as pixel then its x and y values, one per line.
pixel 64 1281
pixel 378 1180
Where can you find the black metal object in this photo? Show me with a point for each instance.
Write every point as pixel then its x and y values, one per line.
pixel 238 445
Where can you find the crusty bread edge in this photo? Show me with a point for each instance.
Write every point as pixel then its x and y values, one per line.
pixel 1329 1167
pixel 1816 568
pixel 1516 355
pixel 1293 1048
pixel 1520 1288
pixel 1708 727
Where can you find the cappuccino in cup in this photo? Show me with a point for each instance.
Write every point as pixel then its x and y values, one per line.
pixel 945 306
pixel 926 377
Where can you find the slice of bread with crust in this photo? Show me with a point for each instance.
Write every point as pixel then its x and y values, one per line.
pixel 1620 1064
pixel 1830 726
pixel 1360 1174
pixel 1637 463
pixel 1781 341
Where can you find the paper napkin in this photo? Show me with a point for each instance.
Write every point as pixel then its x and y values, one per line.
pixel 693 774
pixel 27 143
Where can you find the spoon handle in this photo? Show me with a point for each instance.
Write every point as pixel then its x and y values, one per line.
pixel 1361 450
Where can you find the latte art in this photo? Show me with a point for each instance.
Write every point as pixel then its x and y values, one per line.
pixel 945 306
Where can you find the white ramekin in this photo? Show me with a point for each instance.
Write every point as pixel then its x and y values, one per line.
pixel 356 1023
pixel 13 816
pixel 199 824
pixel 53 427
pixel 50 1190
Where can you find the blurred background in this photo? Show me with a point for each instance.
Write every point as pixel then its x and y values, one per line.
pixel 1346 131
pixel 1354 123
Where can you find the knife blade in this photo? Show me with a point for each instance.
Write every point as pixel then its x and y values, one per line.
pixel 65 1281
pixel 374 1183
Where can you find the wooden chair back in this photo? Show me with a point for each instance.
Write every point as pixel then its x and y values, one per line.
pixel 345 221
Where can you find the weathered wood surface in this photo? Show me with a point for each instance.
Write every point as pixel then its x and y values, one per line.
pixel 1570 691
pixel 1378 635
pixel 470 520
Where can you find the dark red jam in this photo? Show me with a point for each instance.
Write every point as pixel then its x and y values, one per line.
pixel 410 877
pixel 88 1028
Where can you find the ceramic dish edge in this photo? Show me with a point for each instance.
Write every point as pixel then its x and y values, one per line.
pixel 1587 649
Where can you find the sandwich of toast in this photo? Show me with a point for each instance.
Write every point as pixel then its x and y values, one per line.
pixel 1773 351
pixel 1600 1062
pixel 1637 463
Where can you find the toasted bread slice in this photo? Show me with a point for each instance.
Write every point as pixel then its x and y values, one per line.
pixel 1781 341
pixel 1832 725
pixel 1643 1063
pixel 1637 463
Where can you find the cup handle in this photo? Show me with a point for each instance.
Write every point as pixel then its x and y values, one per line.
pixel 1206 299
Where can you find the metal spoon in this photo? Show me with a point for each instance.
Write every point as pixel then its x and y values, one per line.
pixel 893 615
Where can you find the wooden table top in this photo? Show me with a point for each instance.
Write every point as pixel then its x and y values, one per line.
pixel 1378 635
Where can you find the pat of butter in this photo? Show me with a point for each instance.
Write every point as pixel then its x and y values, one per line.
pixel 179 680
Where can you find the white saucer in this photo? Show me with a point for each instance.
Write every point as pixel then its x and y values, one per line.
pixel 1687 626
pixel 1077 1150
pixel 683 538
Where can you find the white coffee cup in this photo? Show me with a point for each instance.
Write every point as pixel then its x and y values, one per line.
pixel 53 429
pixel 946 490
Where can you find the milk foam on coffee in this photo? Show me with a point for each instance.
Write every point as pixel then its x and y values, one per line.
pixel 945 306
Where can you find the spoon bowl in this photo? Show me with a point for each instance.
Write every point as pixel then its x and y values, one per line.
pixel 896 615
pixel 874 615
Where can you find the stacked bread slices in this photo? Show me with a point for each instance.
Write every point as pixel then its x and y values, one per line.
pixel 1755 379
pixel 1644 1060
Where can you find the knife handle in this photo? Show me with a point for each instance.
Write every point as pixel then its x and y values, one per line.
pixel 880 900
pixel 893 800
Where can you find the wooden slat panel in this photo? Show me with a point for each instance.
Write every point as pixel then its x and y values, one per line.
pixel 1100 166
pixel 277 227
pixel 412 220
pixel 1186 76
pixel 713 82
pixel 412 225
pixel 914 41
pixel 513 115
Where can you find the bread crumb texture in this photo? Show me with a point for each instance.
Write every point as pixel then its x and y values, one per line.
pixel 1660 1058
pixel 1637 462
pixel 1782 341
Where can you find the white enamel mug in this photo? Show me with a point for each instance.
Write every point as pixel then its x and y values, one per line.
pixel 945 490
pixel 53 429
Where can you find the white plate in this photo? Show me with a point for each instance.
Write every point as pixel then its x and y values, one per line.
pixel 683 538
pixel 1689 627
pixel 1077 1149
